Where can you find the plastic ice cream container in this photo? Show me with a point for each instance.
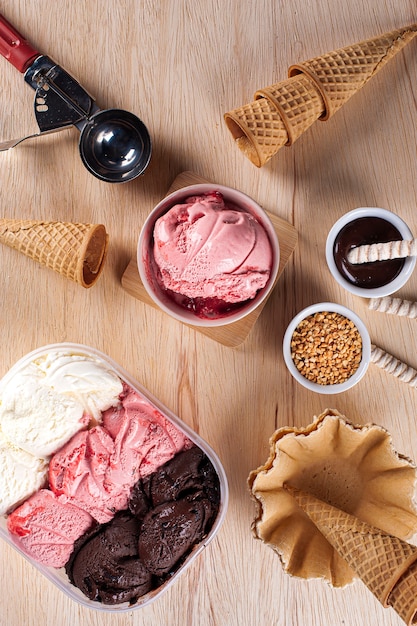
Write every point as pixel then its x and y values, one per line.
pixel 59 576
pixel 231 252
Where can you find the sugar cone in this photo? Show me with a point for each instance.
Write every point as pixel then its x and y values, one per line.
pixel 298 102
pixel 403 598
pixel 316 89
pixel 340 74
pixel 380 560
pixel 258 130
pixel 76 251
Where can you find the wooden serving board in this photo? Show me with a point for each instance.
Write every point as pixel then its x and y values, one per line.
pixel 234 334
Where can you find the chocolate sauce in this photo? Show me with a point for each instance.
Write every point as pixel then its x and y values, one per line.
pixel 365 231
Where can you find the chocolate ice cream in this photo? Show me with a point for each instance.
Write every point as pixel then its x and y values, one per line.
pixel 170 530
pixel 171 511
pixel 183 496
pixel 105 564
pixel 187 472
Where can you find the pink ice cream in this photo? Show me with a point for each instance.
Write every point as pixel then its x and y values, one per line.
pixel 80 473
pixel 207 249
pixel 97 469
pixel 46 527
pixel 144 439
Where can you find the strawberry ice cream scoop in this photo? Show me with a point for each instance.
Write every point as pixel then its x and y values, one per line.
pixel 206 248
pixel 97 468
pixel 144 439
pixel 82 471
pixel 46 527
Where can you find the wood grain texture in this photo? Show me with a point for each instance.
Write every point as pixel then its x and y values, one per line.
pixel 180 65
pixel 231 335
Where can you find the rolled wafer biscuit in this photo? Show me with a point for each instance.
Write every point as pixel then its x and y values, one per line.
pixel 369 253
pixel 394 366
pixel 394 306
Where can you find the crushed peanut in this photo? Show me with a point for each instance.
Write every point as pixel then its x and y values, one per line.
pixel 326 348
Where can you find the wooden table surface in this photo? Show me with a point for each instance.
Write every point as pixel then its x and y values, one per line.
pixel 180 65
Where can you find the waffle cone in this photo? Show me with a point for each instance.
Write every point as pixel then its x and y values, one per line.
pixel 380 560
pixel 340 74
pixel 403 597
pixel 76 251
pixel 298 101
pixel 258 130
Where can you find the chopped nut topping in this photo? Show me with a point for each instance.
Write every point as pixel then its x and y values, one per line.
pixel 326 348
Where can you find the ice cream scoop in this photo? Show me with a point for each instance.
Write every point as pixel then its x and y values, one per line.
pixel 44 402
pixel 46 526
pixel 208 255
pixel 207 248
pixel 35 417
pixel 97 468
pixel 170 512
pixel 105 564
pixel 114 144
pixel 21 474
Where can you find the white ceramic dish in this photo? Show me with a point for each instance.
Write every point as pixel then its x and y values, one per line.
pixel 145 244
pixel 58 576
pixel 389 288
pixel 366 348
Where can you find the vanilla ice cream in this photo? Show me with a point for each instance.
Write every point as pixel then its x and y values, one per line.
pixel 86 379
pixel 47 401
pixel 21 474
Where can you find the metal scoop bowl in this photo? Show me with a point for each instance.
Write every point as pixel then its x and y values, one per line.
pixel 115 145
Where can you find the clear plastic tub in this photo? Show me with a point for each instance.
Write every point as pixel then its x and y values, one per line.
pixel 58 576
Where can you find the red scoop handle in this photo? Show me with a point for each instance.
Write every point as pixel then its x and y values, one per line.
pixel 14 47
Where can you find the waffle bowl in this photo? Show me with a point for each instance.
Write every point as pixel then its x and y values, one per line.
pixel 353 468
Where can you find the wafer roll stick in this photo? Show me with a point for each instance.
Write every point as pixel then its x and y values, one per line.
pixel 394 366
pixel 369 253
pixel 394 306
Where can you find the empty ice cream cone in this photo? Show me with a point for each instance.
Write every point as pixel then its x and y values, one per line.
pixel 258 130
pixel 380 560
pixel 403 597
pixel 298 102
pixel 316 89
pixel 354 468
pixel 76 251
pixel 340 74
